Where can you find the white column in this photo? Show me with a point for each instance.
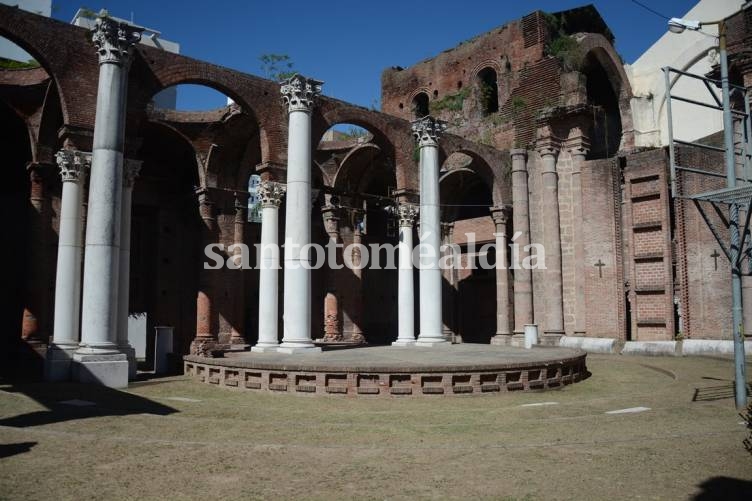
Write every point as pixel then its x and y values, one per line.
pixel 427 131
pixel 131 170
pixel 405 292
pixel 271 197
pixel 73 166
pixel 298 94
pixel 98 359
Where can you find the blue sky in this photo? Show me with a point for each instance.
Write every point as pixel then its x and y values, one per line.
pixel 348 43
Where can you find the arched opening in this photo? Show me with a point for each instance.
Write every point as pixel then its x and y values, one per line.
pixel 13 57
pixel 469 293
pixel 602 98
pixel 420 106
pixel 165 238
pixel 190 97
pixel 14 200
pixel 360 165
pixel 488 89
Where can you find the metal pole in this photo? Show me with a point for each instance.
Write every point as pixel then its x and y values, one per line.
pixel 670 125
pixel 736 282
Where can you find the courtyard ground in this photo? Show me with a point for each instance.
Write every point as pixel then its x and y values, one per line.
pixel 174 438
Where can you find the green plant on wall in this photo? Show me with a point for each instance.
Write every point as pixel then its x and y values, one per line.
pixel 487 95
pixel 9 64
pixel 452 102
pixel 277 67
pixel 567 50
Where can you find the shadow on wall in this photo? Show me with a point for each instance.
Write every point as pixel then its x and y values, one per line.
pixel 725 488
pixel 70 401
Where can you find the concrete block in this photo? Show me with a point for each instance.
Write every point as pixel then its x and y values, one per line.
pixel 650 348
pixel 109 370
pixel 694 347
pixel 57 363
pixel 590 344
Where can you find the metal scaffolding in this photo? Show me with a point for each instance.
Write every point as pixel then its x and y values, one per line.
pixel 736 196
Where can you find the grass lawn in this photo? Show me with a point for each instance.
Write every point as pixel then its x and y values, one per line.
pixel 178 439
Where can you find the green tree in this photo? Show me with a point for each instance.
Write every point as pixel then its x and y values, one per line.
pixel 277 66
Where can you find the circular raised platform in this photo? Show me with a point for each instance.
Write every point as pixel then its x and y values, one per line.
pixel 385 370
pixel 458 369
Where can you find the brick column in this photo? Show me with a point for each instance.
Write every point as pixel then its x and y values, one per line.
pixel 38 276
pixel 332 326
pixel 553 328
pixel 206 338
pixel 356 335
pixel 503 324
pixel 523 279
pixel 578 147
pixel 236 334
pixel 447 297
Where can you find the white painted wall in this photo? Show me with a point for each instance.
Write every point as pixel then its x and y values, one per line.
pixel 690 51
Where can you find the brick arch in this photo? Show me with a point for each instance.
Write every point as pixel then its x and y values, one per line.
pixel 602 51
pixel 487 63
pixel 393 135
pixel 489 164
pixel 201 172
pixel 258 97
pixel 346 172
pixel 50 43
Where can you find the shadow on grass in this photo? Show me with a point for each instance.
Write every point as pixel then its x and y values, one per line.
pixel 724 488
pixel 106 402
pixel 8 450
pixel 719 392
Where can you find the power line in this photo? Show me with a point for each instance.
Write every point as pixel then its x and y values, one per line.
pixel 649 9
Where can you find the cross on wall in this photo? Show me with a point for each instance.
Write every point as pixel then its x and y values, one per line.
pixel 715 257
pixel 600 264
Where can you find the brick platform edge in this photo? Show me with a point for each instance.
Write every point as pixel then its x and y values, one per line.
pixel 549 375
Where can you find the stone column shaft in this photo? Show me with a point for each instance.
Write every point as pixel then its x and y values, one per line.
pixel 298 94
pixel 503 324
pixel 356 334
pixel 427 131
pixel 554 325
pixel 73 168
pixel 114 41
pixel 523 278
pixel 132 168
pixel 271 197
pixel 406 289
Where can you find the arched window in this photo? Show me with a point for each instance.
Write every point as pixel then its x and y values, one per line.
pixel 489 91
pixel 420 105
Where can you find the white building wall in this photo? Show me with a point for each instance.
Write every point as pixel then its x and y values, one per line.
pixel 691 51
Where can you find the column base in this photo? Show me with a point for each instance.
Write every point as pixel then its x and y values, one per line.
pixel 551 338
pixel 502 340
pixel 403 343
pixel 130 354
pixel 203 347
pixel 518 340
pixel 431 342
pixel 57 363
pixel 265 348
pixel 109 370
pixel 297 348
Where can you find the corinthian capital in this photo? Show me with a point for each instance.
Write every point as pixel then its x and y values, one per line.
pixel 427 130
pixel 72 164
pixel 407 214
pixel 114 39
pixel 299 93
pixel 131 168
pixel 271 194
